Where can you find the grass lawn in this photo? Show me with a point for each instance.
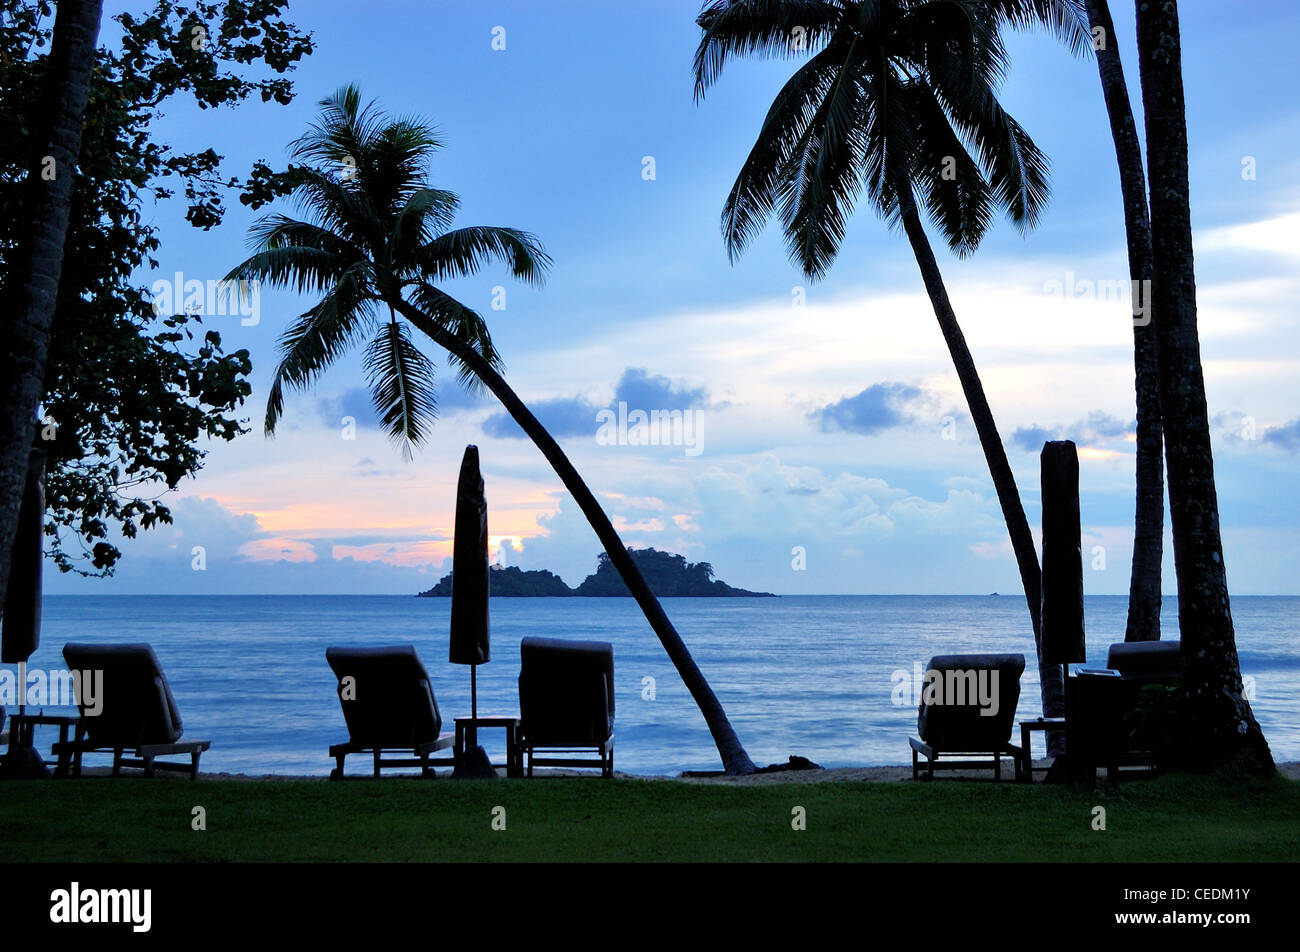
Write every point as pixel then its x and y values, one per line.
pixel 1169 819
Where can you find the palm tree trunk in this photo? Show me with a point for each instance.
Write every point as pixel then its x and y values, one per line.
pixel 1004 481
pixel 1149 515
pixel 734 758
pixel 26 336
pixel 1221 728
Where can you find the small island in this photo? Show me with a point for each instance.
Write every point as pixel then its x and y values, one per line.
pixel 668 576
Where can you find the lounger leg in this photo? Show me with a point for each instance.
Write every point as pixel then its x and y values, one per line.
pixel 997 768
pixel 530 762
pixel 148 765
pixel 376 761
pixel 117 763
pixel 194 765
pixel 915 765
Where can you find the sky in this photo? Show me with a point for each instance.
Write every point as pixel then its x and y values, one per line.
pixel 824 444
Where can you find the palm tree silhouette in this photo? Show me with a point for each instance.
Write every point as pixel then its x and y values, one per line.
pixel 378 244
pixel 897 99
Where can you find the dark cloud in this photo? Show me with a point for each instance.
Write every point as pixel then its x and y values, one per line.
pixel 563 416
pixel 640 391
pixel 354 402
pixel 1032 438
pixel 452 396
pixel 1099 427
pixel 879 407
pixel 1286 436
pixel 576 416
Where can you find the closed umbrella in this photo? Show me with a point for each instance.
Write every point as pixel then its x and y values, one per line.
pixel 469 577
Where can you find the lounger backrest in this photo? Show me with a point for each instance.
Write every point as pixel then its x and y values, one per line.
pixel 1148 660
pixel 967 687
pixel 388 700
pixel 135 702
pixel 566 692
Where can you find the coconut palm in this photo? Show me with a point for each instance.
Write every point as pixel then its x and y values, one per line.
pixel 377 244
pixel 1149 514
pixel 1220 725
pixel 1086 25
pixel 25 338
pixel 897 99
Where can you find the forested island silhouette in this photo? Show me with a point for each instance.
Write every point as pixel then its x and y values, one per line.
pixel 668 575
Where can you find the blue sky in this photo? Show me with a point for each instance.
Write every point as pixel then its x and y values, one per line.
pixel 827 414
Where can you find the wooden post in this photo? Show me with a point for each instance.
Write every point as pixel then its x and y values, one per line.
pixel 1062 605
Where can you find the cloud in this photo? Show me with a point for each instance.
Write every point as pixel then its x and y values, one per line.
pixel 1099 427
pixel 576 416
pixel 641 391
pixel 562 416
pixel 881 406
pixel 355 402
pixel 1286 436
pixel 453 397
pixel 210 549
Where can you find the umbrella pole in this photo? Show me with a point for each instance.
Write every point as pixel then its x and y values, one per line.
pixel 473 705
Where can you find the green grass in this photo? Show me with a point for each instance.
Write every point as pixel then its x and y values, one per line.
pixel 1169 819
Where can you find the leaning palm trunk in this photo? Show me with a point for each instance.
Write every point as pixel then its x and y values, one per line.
pixel 1004 481
pixel 26 340
pixel 1149 516
pixel 734 758
pixel 1220 728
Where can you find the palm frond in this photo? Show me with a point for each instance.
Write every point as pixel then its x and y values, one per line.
pixel 348 211
pixel 464 251
pixel 1067 20
pixel 951 183
pixel 1016 168
pixel 752 198
pixel 462 322
pixel 320 336
pixel 822 177
pixel 402 384
pixel 768 28
pixel 427 212
pixel 345 130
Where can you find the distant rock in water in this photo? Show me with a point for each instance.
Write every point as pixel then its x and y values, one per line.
pixel 511 581
pixel 668 576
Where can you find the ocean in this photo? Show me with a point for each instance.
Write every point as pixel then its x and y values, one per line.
pixel 816 676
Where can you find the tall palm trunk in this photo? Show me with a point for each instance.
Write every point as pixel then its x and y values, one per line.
pixel 1149 514
pixel 1004 481
pixel 734 758
pixel 26 334
pixel 1221 728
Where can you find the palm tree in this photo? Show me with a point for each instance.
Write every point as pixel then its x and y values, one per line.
pixel 1086 25
pixel 378 244
pixel 897 98
pixel 1149 513
pixel 1220 725
pixel 39 266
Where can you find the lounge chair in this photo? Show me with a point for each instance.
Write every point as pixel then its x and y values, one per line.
pixel 1101 704
pixel 137 712
pixel 950 729
pixel 389 706
pixel 566 703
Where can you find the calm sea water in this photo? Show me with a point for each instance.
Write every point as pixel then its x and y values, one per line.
pixel 808 675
